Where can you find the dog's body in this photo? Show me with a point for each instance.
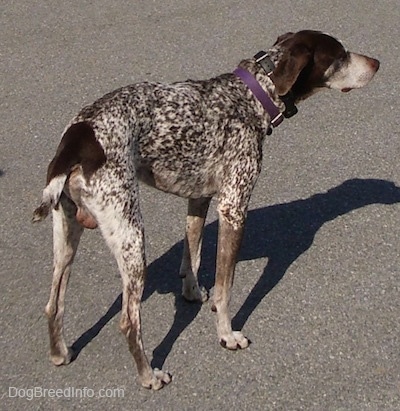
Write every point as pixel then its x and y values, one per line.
pixel 195 139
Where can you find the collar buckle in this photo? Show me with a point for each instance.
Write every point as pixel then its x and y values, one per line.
pixel 263 58
pixel 277 120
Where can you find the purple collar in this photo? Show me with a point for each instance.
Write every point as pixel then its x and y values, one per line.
pixel 261 95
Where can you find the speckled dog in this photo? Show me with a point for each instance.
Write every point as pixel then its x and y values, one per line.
pixel 195 139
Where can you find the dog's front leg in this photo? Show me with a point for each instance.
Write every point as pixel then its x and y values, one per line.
pixel 229 239
pixel 197 212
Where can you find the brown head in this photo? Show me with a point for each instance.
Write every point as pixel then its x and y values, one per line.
pixel 312 60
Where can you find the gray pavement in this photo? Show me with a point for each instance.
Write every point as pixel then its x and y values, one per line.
pixel 317 284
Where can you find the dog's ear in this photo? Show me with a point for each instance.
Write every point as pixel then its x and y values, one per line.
pixel 295 58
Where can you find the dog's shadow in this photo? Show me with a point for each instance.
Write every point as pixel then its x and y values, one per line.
pixel 280 232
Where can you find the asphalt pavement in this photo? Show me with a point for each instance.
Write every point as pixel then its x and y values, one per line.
pixel 318 279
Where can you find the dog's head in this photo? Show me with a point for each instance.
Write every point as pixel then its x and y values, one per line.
pixel 311 60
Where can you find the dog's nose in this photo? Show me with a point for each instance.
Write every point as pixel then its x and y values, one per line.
pixel 374 64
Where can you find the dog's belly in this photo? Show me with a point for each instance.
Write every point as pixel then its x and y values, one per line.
pixel 183 183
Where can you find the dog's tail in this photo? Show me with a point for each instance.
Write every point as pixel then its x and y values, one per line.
pixel 51 196
pixel 78 146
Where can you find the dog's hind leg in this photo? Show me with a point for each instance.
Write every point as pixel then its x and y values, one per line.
pixel 197 212
pixel 66 235
pixel 121 224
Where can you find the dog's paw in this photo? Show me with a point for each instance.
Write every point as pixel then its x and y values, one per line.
pixel 235 341
pixel 157 380
pixel 62 358
pixel 195 293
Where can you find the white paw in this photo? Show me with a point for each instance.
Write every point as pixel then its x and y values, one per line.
pixel 158 380
pixel 62 358
pixel 234 341
pixel 195 293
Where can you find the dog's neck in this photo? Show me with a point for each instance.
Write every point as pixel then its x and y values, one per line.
pixel 261 67
pixel 264 80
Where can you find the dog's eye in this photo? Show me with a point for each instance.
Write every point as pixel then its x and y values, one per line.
pixel 341 60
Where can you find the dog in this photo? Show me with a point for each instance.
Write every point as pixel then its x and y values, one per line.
pixel 195 139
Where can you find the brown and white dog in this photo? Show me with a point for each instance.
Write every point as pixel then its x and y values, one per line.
pixel 195 139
